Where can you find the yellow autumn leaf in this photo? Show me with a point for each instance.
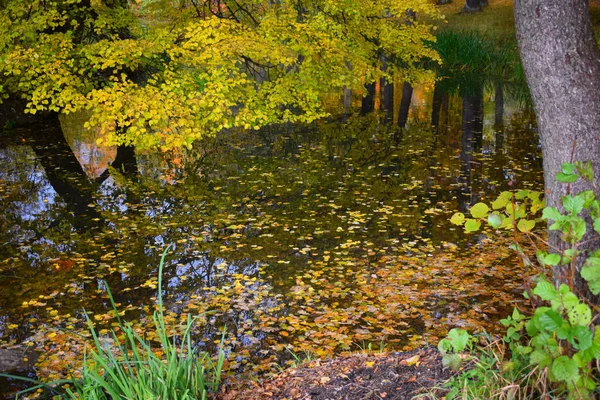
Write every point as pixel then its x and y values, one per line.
pixel 414 360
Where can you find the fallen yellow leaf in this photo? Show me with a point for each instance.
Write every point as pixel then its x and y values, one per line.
pixel 414 360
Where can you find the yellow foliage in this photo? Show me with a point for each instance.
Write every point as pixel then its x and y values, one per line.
pixel 161 74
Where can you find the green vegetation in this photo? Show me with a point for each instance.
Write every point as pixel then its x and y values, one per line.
pixel 471 59
pixel 553 351
pixel 124 365
pixel 312 241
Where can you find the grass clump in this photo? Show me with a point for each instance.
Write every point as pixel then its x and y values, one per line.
pixel 129 367
pixel 469 53
pixel 489 370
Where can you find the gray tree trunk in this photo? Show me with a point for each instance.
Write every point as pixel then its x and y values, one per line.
pixel 347 100
pixel 472 6
pixel 562 65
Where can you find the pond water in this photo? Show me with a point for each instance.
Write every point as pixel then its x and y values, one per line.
pixel 326 237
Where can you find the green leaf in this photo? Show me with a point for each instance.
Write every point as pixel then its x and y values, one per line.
pixel 521 194
pixel 552 259
pixel 451 361
pixel 579 227
pixel 534 196
pixel 494 220
pixel 574 205
pixel 567 300
pixel 545 290
pixel 502 200
pixel 479 210
pixel 597 225
pixel 586 171
pixel 551 320
pixel 568 255
pixel 588 197
pixel 581 314
pixel 472 225
pixel 444 346
pixel 584 336
pixel 564 178
pixel 459 339
pixel 516 315
pixel 564 369
pixel 594 287
pixel 458 218
pixel 540 357
pixel 507 222
pixel 525 225
pixel 591 273
pixel 568 168
pixel 551 213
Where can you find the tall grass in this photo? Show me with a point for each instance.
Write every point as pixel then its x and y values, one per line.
pixel 132 369
pixel 465 52
pixel 471 59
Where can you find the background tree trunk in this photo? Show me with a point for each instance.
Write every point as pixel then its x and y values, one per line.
pixel 368 102
pixel 407 91
pixel 473 5
pixel 562 65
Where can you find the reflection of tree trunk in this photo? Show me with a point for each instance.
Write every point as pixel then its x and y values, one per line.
pixel 407 91
pixel 388 101
pixel 368 102
pixel 466 164
pixel 436 105
pixel 499 117
pixel 125 161
pixel 445 110
pixel 347 100
pixel 12 114
pixel 472 128
pixel 65 174
pixel 472 116
pixel 388 93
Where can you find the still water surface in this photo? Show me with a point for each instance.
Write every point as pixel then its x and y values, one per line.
pixel 325 237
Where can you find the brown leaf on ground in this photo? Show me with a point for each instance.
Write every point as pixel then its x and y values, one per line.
pixel 353 377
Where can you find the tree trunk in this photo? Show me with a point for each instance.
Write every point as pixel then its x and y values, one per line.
pixel 562 65
pixel 436 105
pixel 472 6
pixel 387 88
pixel 472 130
pixel 368 102
pixel 407 91
pixel 347 101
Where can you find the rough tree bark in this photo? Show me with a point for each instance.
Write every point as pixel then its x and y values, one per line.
pixel 562 65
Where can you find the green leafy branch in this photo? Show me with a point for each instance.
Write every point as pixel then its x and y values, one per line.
pixel 559 342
